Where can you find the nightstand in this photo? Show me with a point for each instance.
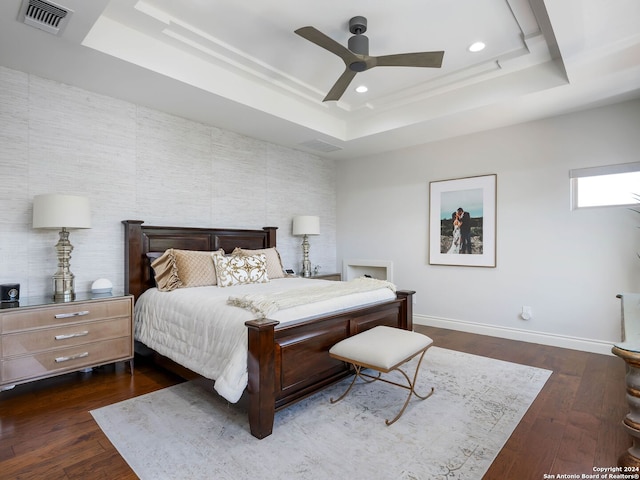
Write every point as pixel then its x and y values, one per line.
pixel 328 276
pixel 41 337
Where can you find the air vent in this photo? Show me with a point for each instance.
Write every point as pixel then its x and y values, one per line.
pixel 320 146
pixel 46 16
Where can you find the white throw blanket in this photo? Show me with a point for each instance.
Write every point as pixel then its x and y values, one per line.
pixel 264 305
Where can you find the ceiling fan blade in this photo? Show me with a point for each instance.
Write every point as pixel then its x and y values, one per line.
pixel 340 86
pixel 316 36
pixel 420 59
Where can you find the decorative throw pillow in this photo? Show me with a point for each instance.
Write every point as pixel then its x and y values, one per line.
pixel 195 268
pixel 274 262
pixel 241 269
pixel 166 272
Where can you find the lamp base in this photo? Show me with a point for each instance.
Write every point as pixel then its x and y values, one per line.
pixel 306 268
pixel 306 263
pixel 67 297
pixel 63 287
pixel 63 279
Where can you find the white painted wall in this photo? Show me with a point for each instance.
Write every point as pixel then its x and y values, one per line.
pixel 137 163
pixel 568 265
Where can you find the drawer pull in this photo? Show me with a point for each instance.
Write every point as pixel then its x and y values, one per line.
pixel 72 357
pixel 72 335
pixel 74 314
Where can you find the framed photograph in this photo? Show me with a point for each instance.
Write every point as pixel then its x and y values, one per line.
pixel 462 221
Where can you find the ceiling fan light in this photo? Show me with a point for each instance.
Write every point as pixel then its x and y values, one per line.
pixel 362 89
pixel 477 47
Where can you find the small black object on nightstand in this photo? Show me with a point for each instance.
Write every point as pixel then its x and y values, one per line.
pixel 10 292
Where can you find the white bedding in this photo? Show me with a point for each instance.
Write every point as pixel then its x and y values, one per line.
pixel 196 328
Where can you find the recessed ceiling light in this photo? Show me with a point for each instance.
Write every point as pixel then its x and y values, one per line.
pixel 476 47
pixel 361 89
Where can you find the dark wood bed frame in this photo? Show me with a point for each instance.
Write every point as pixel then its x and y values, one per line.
pixel 285 363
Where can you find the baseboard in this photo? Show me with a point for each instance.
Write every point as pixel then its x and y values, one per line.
pixel 563 341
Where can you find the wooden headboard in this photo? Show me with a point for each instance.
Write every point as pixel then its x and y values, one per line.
pixel 141 239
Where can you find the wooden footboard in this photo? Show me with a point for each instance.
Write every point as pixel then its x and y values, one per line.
pixel 289 363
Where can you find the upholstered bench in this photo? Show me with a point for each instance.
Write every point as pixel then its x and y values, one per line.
pixel 383 349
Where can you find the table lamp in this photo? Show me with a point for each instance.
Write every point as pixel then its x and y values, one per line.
pixel 306 225
pixel 63 212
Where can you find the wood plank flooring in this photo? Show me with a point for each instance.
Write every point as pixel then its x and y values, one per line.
pixel 46 430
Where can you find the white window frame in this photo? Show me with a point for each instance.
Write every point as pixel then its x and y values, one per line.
pixel 578 173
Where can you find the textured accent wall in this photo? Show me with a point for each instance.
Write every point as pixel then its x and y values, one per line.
pixel 138 163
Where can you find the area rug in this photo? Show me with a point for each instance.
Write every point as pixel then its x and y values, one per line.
pixel 188 432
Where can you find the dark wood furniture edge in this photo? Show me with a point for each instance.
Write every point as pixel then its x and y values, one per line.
pixel 407 307
pixel 261 376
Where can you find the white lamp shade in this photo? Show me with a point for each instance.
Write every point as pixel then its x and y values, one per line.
pixel 306 225
pixel 61 211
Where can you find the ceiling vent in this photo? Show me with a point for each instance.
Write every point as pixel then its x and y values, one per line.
pixel 46 16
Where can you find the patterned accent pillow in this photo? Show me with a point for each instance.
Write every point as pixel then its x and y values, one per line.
pixel 195 268
pixel 241 269
pixel 165 271
pixel 274 262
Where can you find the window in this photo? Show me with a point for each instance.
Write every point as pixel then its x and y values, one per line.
pixel 605 186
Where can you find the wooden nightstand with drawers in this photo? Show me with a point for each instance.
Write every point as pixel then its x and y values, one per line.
pixel 41 338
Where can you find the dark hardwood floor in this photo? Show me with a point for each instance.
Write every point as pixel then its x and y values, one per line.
pixel 46 430
pixel 575 423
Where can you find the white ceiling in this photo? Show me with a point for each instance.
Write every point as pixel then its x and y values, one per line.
pixel 239 65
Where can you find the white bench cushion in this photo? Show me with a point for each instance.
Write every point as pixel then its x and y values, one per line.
pixel 381 348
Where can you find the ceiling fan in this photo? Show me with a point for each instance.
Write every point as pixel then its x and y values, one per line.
pixel 357 58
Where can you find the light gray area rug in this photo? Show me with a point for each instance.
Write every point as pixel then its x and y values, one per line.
pixel 188 432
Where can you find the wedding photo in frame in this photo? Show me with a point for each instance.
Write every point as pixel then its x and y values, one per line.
pixel 462 221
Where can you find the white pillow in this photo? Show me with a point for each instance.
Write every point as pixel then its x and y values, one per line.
pixel 240 269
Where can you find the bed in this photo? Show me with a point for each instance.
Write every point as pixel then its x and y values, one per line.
pixel 285 361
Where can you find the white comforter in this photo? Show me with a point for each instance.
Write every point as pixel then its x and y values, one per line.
pixel 196 328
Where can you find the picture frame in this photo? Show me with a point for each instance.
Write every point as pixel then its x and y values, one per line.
pixel 452 203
